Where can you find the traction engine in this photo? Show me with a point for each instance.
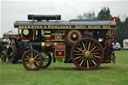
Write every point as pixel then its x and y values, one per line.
pixel 44 38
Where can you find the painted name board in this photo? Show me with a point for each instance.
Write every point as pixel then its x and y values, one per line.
pixel 63 27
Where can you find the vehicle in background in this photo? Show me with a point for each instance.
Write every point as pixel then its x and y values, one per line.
pixel 10 34
pixel 4 43
pixel 116 46
pixel 125 44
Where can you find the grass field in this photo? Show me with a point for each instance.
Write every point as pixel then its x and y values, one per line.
pixel 67 74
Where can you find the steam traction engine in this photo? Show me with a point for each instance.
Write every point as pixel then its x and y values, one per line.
pixel 4 42
pixel 45 38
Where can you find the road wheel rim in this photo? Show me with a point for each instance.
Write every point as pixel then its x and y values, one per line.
pixel 87 54
pixel 32 60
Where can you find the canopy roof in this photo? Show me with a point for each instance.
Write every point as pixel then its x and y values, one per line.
pixel 51 24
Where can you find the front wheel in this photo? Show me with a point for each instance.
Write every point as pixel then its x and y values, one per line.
pixel 3 56
pixel 32 60
pixel 12 54
pixel 46 59
pixel 87 54
pixel 1 47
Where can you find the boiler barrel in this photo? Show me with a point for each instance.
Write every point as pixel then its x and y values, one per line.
pixel 42 45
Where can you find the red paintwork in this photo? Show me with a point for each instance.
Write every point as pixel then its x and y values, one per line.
pixel 114 18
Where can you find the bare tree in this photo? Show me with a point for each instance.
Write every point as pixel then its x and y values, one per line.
pixel 88 15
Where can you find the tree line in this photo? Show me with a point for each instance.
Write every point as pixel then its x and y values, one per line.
pixel 121 31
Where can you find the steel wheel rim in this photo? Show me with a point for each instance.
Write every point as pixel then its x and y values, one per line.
pixel 32 60
pixel 87 54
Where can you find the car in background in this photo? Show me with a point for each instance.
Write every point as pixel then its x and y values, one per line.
pixel 116 46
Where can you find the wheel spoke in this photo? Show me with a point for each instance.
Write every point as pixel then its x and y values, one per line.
pixel 82 62
pixel 87 64
pixel 93 61
pixel 91 56
pixel 78 54
pixel 80 59
pixel 96 50
pixel 84 46
pixel 77 57
pixel 94 53
pixel 80 49
pixel 37 59
pixel 27 57
pixel 89 46
pixel 27 62
pixel 96 56
pixel 37 64
pixel 92 49
pixel 35 56
pixel 31 54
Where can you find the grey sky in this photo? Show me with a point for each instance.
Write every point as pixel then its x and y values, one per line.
pixel 18 10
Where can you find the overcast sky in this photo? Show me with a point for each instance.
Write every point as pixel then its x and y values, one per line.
pixel 69 9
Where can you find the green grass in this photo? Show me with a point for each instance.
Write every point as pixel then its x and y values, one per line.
pixel 60 73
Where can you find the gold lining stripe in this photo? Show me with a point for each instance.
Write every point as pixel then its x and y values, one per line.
pixel 64 27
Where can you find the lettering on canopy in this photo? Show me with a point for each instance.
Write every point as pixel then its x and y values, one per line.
pixel 63 27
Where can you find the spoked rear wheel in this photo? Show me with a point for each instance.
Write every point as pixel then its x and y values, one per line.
pixel 87 54
pixel 46 57
pixel 32 60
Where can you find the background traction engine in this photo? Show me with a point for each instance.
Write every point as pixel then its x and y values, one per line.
pixel 87 44
pixel 4 44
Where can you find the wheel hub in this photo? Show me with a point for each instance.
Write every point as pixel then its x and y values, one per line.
pixel 31 60
pixel 87 53
pixel 74 35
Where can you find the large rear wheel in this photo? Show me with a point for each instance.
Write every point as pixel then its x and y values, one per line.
pixel 87 54
pixel 32 60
